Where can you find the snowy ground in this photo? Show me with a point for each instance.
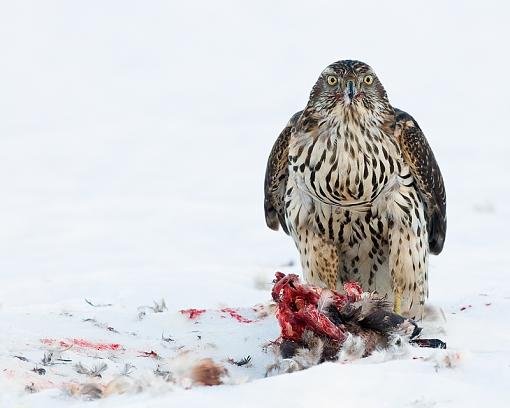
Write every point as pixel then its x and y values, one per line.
pixel 133 144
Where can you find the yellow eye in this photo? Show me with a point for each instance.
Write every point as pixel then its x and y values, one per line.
pixel 332 80
pixel 368 79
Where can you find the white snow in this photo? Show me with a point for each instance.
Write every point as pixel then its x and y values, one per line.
pixel 133 142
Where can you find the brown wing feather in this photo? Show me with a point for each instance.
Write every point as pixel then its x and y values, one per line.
pixel 425 170
pixel 275 182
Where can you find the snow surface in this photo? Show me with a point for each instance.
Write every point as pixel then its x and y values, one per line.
pixel 133 144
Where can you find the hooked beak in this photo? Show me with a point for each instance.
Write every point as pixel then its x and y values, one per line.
pixel 350 90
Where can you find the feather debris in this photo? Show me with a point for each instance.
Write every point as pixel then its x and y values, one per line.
pixel 40 371
pixel 127 370
pixel 53 357
pixel 185 371
pixel 98 304
pixel 96 371
pixel 105 326
pixel 158 307
pixel 245 361
pixel 166 339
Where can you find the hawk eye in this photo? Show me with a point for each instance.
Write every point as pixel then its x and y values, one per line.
pixel 332 80
pixel 368 79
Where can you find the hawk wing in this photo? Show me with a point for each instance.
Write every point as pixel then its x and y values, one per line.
pixel 429 181
pixel 275 182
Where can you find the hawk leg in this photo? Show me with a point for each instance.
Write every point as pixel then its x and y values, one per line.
pixel 408 255
pixel 319 259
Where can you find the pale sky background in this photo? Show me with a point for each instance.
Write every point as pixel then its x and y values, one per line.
pixel 134 135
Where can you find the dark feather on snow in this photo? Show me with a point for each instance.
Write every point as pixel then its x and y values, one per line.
pixel 91 372
pixel 242 362
pixel 98 304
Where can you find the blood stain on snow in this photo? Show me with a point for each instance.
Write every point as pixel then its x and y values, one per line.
pixel 83 344
pixel 235 315
pixel 9 373
pixel 192 313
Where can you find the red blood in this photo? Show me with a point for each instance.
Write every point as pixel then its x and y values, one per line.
pixel 298 310
pixel 278 276
pixel 291 327
pixel 337 299
pixel 282 282
pixel 353 291
pixel 319 323
pixel 192 313
pixel 234 314
pixel 97 346
pixel 83 344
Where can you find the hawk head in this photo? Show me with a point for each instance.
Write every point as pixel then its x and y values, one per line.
pixel 349 89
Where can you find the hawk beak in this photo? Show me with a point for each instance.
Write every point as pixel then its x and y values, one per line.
pixel 350 89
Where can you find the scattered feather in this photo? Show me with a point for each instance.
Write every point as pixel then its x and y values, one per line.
pixel 127 370
pixel 151 354
pixel 91 372
pixel 98 304
pixel 104 326
pixel 31 388
pixel 40 371
pixel 159 307
pixel 244 361
pixel 48 358
pixel 164 374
